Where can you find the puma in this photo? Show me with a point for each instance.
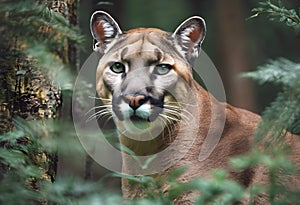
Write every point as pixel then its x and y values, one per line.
pixel 144 79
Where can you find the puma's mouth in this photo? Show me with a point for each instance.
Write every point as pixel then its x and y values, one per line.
pixel 135 118
pixel 139 123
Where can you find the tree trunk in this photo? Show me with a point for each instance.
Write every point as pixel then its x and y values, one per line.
pixel 28 93
pixel 233 54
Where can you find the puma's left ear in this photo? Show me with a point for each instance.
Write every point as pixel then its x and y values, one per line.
pixel 104 29
pixel 189 37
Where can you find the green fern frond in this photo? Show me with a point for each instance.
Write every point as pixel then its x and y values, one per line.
pixel 281 72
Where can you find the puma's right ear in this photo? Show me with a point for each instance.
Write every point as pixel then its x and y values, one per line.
pixel 104 29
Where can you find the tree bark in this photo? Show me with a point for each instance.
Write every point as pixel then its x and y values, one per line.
pixel 232 51
pixel 28 93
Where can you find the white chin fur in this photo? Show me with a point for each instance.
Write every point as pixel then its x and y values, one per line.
pixel 144 111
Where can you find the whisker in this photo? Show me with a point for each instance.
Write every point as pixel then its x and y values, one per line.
pixel 167 123
pixel 106 121
pixel 182 103
pixel 176 108
pixel 104 114
pixel 170 118
pixel 184 117
pixel 99 114
pixel 170 129
pixel 174 112
pixel 188 113
pixel 173 107
pixel 99 98
pixel 164 124
pixel 98 107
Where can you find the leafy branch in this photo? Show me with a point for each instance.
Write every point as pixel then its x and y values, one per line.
pixel 278 12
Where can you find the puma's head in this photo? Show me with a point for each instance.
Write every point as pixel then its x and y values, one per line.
pixel 145 74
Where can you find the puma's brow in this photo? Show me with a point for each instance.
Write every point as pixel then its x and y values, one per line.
pixel 123 53
pixel 157 58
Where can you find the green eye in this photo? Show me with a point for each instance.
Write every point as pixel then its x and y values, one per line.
pixel 117 68
pixel 162 69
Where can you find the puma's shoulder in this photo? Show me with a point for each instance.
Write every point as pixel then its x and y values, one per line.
pixel 241 118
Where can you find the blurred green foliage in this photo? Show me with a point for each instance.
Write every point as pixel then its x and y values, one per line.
pixel 141 13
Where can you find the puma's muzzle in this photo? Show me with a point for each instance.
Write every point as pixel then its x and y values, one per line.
pixel 137 107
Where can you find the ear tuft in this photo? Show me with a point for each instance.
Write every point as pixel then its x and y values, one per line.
pixel 189 36
pixel 104 29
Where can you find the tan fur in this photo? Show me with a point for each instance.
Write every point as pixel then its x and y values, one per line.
pixel 237 136
pixel 148 30
pixel 236 140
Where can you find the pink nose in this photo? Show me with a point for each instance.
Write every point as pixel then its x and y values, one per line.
pixel 135 101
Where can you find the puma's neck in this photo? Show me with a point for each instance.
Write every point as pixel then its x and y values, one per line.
pixel 150 147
